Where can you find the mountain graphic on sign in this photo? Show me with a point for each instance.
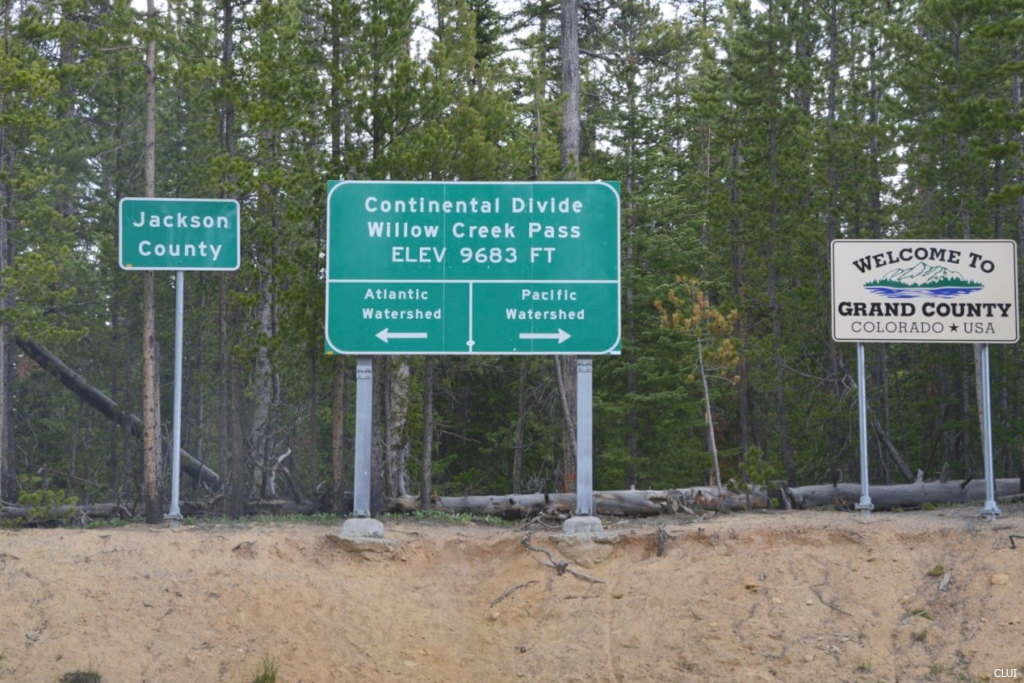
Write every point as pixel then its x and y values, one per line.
pixel 921 280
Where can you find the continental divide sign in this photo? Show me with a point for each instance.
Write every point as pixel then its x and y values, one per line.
pixel 473 267
pixel 951 291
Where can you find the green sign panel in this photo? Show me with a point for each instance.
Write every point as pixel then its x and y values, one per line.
pixel 462 268
pixel 178 234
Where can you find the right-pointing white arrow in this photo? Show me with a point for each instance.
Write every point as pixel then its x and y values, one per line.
pixel 561 335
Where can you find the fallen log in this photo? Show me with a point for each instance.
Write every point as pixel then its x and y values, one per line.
pixel 628 503
pixel 279 506
pixel 847 495
pixel 632 503
pixel 108 407
pixel 84 513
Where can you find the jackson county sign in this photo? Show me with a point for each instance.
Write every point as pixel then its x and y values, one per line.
pixel 178 234
pixel 461 268
pixel 952 291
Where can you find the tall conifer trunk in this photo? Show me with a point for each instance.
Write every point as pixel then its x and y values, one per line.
pixel 565 368
pixel 228 420
pixel 340 129
pixel 396 424
pixel 520 443
pixel 774 211
pixel 150 366
pixel 338 436
pixel 426 476
pixel 836 426
pixel 8 480
pixel 570 58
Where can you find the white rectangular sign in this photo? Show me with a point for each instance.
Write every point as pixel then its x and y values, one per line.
pixel 951 291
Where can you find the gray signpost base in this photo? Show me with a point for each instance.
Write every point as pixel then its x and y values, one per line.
pixel 584 521
pixel 362 527
pixel 361 524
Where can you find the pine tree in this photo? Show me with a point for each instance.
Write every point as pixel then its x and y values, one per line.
pixel 959 126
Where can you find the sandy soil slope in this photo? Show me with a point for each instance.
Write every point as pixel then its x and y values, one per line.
pixel 799 596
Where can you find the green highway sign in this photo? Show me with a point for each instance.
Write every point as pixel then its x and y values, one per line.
pixel 178 234
pixel 474 267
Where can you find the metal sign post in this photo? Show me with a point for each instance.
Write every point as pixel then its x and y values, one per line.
pixel 179 235
pixel 584 436
pixel 460 268
pixel 364 442
pixel 361 525
pixel 584 523
pixel 865 505
pixel 173 515
pixel 990 509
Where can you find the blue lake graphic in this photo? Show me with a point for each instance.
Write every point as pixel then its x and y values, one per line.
pixel 919 292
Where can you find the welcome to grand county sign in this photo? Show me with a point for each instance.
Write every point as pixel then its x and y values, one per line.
pixel 950 291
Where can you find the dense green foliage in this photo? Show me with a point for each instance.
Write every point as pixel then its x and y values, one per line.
pixel 745 137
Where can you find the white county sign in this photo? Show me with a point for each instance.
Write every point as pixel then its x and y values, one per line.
pixel 949 291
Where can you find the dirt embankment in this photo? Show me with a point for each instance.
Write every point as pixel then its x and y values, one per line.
pixel 802 596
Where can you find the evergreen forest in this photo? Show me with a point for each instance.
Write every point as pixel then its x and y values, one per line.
pixel 745 136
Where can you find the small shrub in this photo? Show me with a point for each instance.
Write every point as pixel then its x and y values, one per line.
pixel 81 677
pixel 44 507
pixel 267 673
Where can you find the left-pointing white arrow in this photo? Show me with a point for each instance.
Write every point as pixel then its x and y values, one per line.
pixel 386 336
pixel 561 335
